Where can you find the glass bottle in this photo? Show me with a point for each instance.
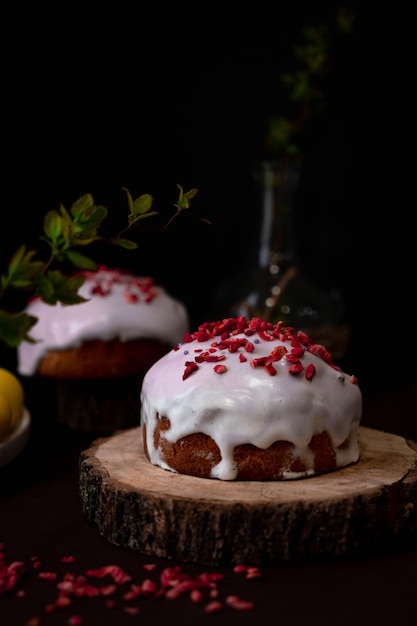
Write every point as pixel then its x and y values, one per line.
pixel 281 289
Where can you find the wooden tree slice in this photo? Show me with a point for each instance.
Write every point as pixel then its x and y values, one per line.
pixel 137 505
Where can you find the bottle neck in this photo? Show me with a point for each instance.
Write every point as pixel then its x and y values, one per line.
pixel 277 183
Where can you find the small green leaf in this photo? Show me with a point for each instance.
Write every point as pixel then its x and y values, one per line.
pixel 55 287
pixel 184 200
pixel 22 271
pixel 129 199
pixel 142 204
pixel 64 213
pixel 53 225
pixel 84 241
pixel 16 259
pixel 190 194
pixel 133 218
pixel 87 218
pixel 83 204
pixel 14 327
pixel 127 244
pixel 80 260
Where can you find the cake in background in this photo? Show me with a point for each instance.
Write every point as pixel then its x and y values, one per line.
pixel 98 351
pixel 247 399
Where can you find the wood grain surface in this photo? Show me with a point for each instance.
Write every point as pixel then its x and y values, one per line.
pixel 139 506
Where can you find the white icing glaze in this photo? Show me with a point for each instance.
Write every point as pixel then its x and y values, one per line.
pixel 246 404
pixel 119 305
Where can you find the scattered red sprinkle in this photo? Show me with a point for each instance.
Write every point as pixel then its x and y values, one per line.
pixel 98 290
pixel 220 369
pixel 149 567
pixel 172 583
pixel 240 605
pixel 266 336
pixel 295 368
pixel 196 595
pixel 118 575
pixel 9 574
pixel 250 571
pixel 209 358
pixel 228 329
pixel 310 371
pixel 213 607
pixel 292 357
pixel 261 361
pixel 320 351
pixel 190 367
pixel 303 337
pixel 130 298
pixel 136 288
pixel 67 559
pixel 148 586
pixel 297 350
pixel 253 572
pixel 239 569
pixel 270 369
pixel 47 575
pixel 277 353
pixel 132 610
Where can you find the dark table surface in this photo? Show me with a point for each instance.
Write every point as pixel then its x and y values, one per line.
pixel 44 531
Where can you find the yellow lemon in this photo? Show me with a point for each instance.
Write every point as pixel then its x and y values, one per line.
pixel 13 396
pixel 5 418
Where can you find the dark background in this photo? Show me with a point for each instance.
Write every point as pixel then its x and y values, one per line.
pixel 150 97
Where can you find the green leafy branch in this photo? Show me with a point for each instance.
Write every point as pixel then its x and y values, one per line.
pixel 305 84
pixel 183 204
pixel 66 233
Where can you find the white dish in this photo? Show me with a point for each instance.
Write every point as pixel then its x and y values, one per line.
pixel 13 446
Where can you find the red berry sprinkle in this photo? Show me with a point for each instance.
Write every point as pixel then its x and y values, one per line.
pixel 214 607
pixel 136 288
pixel 240 568
pixel 270 369
pixel 67 559
pixel 124 593
pixel 295 368
pixel 226 331
pixel 9 574
pixel 240 605
pixel 190 367
pixel 310 371
pixel 149 567
pixel 47 575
